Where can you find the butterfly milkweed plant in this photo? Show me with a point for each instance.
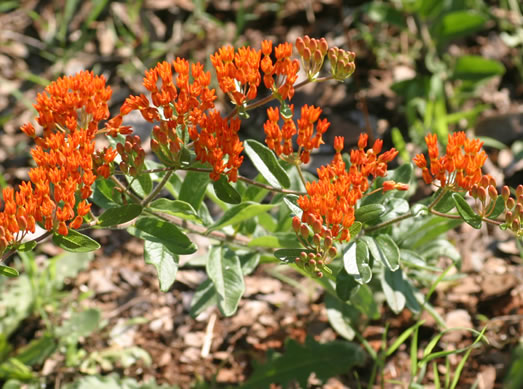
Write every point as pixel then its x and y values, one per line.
pixel 350 226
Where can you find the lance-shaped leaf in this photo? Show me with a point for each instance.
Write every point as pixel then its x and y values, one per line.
pixel 176 208
pixel 267 164
pixel 165 262
pixel 193 188
pixel 368 213
pixel 225 271
pixel 384 249
pixel 342 317
pixel 356 261
pixel 299 361
pixel 8 271
pixel 398 291
pixel 241 212
pixel 160 231
pixel 75 242
pixel 225 191
pixel 466 211
pixel 119 215
pixel 204 296
pixel 142 185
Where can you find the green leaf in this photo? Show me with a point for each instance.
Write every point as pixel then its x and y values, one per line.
pixel 446 203
pixel 249 262
pixel 499 207
pixel 37 350
pixel 13 368
pixel 225 191
pixel 142 185
pixel 165 262
pixel 104 194
pixel 80 324
pixel 224 269
pixel 346 285
pixel 290 202
pixel 392 283
pixel 384 249
pixel 355 229
pixel 475 68
pixel 414 260
pixel 239 213
pixel 193 188
pixel 119 215
pixel 160 231
pixel 466 211
pixel 342 317
pixel 267 164
pixel 356 261
pixel 398 291
pixel 368 213
pixel 8 271
pixel 204 296
pixel 276 240
pixel 326 360
pixel 457 24
pixel 176 208
pixel 75 242
pixel 27 246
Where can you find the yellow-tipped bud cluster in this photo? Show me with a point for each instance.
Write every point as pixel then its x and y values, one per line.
pixel 312 52
pixel 320 248
pixel 342 63
pixel 513 210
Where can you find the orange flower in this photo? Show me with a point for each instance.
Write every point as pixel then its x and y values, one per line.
pixel 280 140
pixel 69 111
pixel 218 144
pixel 281 75
pixel 238 72
pixel 332 199
pixel 460 167
pixel 176 104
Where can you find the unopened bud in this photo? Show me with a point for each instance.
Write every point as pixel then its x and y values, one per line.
pixel 511 203
pixel 316 239
pixel 119 148
pixel 297 260
pixel 303 256
pixel 3 244
pixel 296 224
pixel 515 225
pixel 332 252
pixel 155 146
pixel 319 274
pixel 22 222
pixel 484 181
pixel 132 171
pixel 327 243
pixel 128 146
pixel 508 217
pixel 519 210
pixel 306 54
pixel 300 45
pixel 304 231
pixel 319 262
pixel 519 190
pixel 505 192
pixel 316 226
pixel 323 46
pixel 492 192
pixel 124 167
pixel 312 262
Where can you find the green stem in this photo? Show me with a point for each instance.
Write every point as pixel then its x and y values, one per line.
pixel 126 189
pixel 300 173
pixel 247 180
pixel 157 190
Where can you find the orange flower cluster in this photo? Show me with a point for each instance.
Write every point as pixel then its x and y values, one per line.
pixel 281 75
pixel 280 140
pixel 459 167
pixel 218 142
pixel 182 109
pixel 330 201
pixel 66 165
pixel 238 72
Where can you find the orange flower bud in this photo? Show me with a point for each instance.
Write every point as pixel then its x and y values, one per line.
pixel 492 192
